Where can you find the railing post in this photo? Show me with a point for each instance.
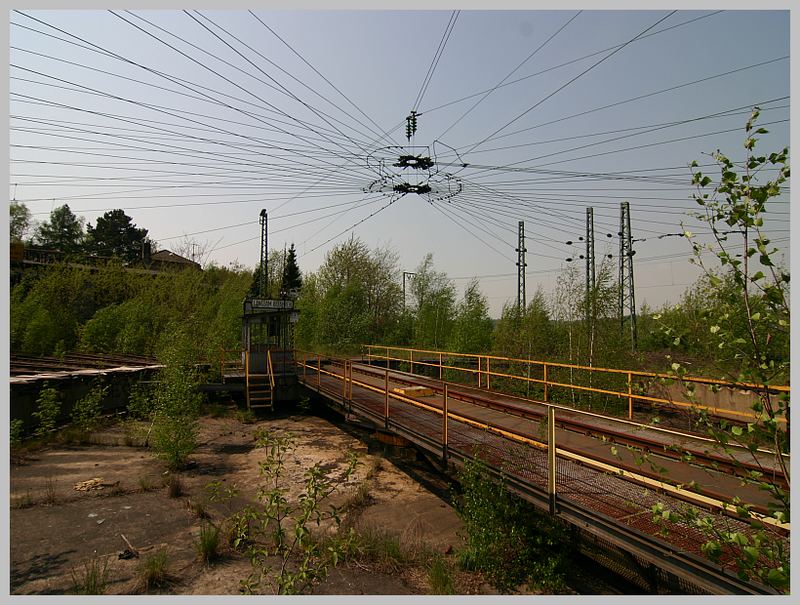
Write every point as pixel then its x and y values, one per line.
pixel 369 355
pixel 344 381
pixel 478 357
pixel 630 396
pixel 444 425
pixel 544 381
pixel 319 371
pixel 247 377
pixel 386 397
pixel 440 366
pixel 551 457
pixel 411 361
pixel 488 375
pixel 305 362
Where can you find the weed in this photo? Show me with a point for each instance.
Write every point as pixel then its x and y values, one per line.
pixel 198 508
pixel 208 542
pixel 86 411
pixel 153 570
pixel 174 486
pixel 146 484
pixel 379 547
pixel 375 466
pixel 16 433
pixel 134 433
pixel 507 539
pixel 245 416
pixel 360 497
pixel 140 402
pixel 285 524
pixel 48 407
pixel 24 501
pixel 238 529
pixel 177 409
pixel 49 491
pixel 439 576
pixel 94 578
pixel 216 410
pixel 304 405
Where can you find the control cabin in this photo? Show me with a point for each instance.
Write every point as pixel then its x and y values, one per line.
pixel 267 351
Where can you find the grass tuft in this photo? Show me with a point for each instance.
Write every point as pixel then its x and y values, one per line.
pixel 153 571
pixel 94 578
pixel 439 576
pixel 208 543
pixel 174 486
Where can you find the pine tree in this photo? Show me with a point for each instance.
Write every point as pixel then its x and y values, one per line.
pixel 292 277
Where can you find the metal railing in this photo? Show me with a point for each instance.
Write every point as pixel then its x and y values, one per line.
pixel 632 385
pixel 270 371
pixel 563 480
pixel 227 361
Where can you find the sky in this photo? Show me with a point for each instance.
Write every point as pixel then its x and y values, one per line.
pixel 193 121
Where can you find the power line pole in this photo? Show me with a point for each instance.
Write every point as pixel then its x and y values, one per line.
pixel 409 273
pixel 262 281
pixel 590 274
pixel 521 264
pixel 627 301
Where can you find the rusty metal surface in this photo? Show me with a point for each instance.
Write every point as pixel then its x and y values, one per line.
pixel 627 504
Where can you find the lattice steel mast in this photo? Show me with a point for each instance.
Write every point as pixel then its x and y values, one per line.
pixel 521 264
pixel 262 281
pixel 627 302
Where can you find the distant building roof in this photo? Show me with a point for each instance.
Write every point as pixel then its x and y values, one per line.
pixel 165 256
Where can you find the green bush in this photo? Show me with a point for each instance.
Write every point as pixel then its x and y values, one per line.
pixel 506 537
pixel 48 407
pixel 16 432
pixel 140 402
pixel 86 412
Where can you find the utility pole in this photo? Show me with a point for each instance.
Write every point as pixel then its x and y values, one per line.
pixel 627 302
pixel 590 275
pixel 409 273
pixel 521 264
pixel 262 282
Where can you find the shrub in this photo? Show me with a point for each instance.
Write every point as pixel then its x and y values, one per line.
pixel 48 407
pixel 282 527
pixel 86 412
pixel 507 538
pixel 16 433
pixel 140 402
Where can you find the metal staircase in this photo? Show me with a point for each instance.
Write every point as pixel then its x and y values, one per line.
pixel 259 386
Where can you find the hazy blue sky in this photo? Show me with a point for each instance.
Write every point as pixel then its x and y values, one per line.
pixel 191 133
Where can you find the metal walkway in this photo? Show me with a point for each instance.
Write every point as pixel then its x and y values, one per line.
pixel 578 466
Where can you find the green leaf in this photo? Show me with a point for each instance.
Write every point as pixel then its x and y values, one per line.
pixel 778 578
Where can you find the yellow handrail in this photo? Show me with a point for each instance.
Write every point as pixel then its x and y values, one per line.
pixel 552 383
pixel 698 379
pixel 269 370
pixel 514 435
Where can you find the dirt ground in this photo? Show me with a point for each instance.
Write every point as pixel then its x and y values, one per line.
pixel 58 531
